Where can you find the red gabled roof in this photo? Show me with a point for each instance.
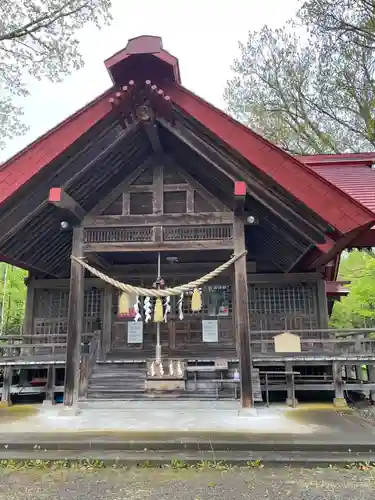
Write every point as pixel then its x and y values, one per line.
pixel 327 200
pixel 15 172
pixel 331 203
pixel 352 173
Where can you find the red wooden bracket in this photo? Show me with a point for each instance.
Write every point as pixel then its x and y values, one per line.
pixel 239 188
pixel 55 194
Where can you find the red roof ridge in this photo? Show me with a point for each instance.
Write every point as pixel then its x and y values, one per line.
pixel 344 159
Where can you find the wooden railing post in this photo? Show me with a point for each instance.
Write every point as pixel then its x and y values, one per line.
pixel 7 385
pixel 339 400
pixel 75 322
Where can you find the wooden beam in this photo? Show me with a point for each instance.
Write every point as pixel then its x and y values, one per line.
pixel 242 320
pixel 154 246
pixel 68 205
pixel 75 322
pixel 285 278
pixel 312 231
pixel 158 198
pixel 64 284
pixel 147 188
pixel 151 129
pixel 177 269
pixel 98 261
pixel 158 220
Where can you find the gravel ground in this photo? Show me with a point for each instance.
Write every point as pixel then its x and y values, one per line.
pixel 235 484
pixel 367 413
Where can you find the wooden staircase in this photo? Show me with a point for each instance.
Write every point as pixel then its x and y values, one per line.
pixel 127 381
pixel 117 381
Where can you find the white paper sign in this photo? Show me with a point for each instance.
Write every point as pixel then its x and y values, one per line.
pixel 210 330
pixel 135 332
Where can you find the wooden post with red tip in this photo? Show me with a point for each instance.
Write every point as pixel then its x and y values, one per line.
pixel 242 319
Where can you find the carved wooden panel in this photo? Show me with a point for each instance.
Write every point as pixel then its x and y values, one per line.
pixel 113 234
pixel 189 233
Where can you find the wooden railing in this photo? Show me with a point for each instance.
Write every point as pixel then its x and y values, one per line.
pixel 320 341
pixel 39 345
pixel 88 361
pixel 330 341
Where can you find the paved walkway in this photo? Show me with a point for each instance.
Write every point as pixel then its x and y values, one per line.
pixel 149 419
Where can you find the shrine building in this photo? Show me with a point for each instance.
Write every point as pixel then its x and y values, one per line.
pixel 174 253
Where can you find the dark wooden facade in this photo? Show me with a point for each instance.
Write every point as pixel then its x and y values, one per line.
pixel 150 168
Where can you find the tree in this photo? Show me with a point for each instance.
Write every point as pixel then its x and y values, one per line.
pixel 357 310
pixel 343 21
pixel 39 38
pixel 12 298
pixel 304 93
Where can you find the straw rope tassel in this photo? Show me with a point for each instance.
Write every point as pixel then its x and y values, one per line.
pixel 196 301
pixel 158 311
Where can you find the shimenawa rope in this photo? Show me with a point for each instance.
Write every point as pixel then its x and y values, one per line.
pixel 166 292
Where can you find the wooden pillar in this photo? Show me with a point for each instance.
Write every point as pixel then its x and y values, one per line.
pixel 371 379
pixel 105 341
pixel 291 399
pixel 50 386
pixel 322 304
pixel 234 314
pixel 84 376
pixel 75 322
pixel 242 320
pixel 28 324
pixel 7 384
pixel 339 400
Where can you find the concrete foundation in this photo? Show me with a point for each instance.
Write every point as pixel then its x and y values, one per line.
pixel 292 402
pixel 68 411
pixel 340 403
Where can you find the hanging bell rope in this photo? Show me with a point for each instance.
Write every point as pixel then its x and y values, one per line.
pixel 165 292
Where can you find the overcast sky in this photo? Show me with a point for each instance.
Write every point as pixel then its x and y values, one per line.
pixel 202 34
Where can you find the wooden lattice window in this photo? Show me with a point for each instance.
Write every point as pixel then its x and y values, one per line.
pixel 51 311
pixel 276 307
pixel 175 202
pixel 141 203
pixel 281 299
